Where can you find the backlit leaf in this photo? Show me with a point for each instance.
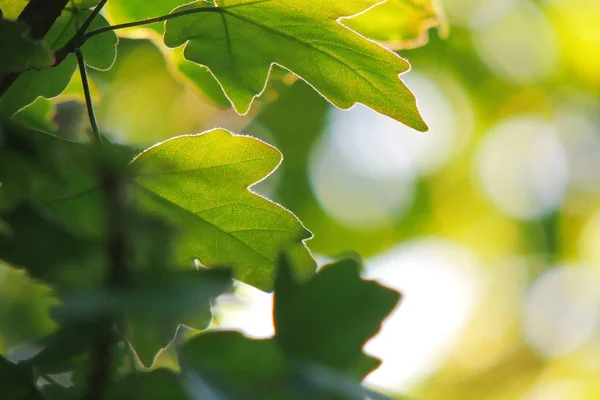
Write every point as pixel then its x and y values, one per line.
pixel 399 24
pixel 47 83
pixel 99 51
pixel 12 8
pixel 201 76
pixel 303 36
pixel 200 183
pixel 84 3
pixel 146 105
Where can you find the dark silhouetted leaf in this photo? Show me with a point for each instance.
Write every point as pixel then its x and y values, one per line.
pixel 230 363
pixel 16 382
pixel 20 53
pixel 317 323
pixel 153 309
pixel 159 384
pixel 99 51
pixel 46 249
pixel 317 349
pixel 48 83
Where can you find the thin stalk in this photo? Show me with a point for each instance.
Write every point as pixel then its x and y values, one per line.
pixel 88 96
pixel 86 24
pixel 149 21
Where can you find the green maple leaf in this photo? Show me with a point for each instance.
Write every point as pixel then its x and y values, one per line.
pixel 99 51
pixel 317 349
pixel 316 325
pixel 200 183
pixel 400 24
pixel 239 40
pixel 47 83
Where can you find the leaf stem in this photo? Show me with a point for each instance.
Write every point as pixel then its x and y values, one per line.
pixel 86 24
pixel 149 21
pixel 88 96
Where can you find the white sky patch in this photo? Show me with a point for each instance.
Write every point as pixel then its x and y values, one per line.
pixel 249 311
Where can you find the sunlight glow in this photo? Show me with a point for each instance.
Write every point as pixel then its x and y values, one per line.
pixel 440 286
pixel 589 239
pixel 580 136
pixel 523 168
pixel 561 310
pixel 363 171
pixel 520 46
pixel 249 311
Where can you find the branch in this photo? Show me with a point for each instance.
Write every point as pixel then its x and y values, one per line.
pixel 40 15
pixel 150 20
pixel 86 25
pixel 88 96
pixel 117 278
pixel 101 364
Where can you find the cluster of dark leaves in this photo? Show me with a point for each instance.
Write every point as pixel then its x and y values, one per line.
pixel 103 290
pixel 56 213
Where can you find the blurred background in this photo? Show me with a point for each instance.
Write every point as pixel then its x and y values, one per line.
pixel 489 223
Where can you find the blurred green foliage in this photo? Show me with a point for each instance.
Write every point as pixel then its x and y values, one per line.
pixel 508 176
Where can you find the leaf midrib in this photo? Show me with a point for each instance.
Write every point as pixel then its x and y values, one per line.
pixel 170 202
pixel 179 171
pixel 295 39
pixel 225 10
